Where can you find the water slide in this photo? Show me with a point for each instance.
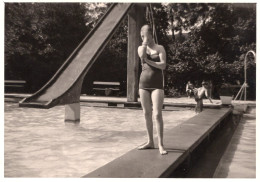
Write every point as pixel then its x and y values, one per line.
pixel 65 86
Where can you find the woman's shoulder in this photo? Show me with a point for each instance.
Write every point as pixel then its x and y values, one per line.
pixel 160 48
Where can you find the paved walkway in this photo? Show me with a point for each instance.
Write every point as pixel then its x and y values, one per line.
pixel 239 159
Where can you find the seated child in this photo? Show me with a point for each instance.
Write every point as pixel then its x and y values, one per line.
pixel 199 93
pixel 189 89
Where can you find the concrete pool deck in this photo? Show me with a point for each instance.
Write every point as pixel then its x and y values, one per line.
pixel 183 143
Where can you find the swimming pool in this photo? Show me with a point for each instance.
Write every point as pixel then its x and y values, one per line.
pixel 38 143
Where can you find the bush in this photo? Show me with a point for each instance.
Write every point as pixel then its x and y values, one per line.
pixel 172 92
pixel 226 90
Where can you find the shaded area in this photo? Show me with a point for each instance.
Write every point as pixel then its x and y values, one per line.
pixel 208 160
pixel 239 159
pixel 231 154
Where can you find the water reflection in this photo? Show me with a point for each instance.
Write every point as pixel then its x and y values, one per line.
pixel 72 123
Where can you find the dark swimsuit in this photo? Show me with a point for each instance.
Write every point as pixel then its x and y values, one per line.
pixel 151 78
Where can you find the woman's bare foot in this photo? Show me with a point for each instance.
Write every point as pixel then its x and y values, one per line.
pixel 148 145
pixel 162 150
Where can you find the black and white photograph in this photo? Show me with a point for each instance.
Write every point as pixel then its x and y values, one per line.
pixel 149 89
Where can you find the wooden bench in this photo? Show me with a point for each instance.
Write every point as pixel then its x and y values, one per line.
pixel 14 85
pixel 181 143
pixel 107 87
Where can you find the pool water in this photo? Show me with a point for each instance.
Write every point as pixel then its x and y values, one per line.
pixel 38 143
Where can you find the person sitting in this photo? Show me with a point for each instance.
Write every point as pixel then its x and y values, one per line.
pixel 189 89
pixel 199 93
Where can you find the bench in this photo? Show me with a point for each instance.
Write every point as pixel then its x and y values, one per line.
pixel 182 143
pixel 107 87
pixel 14 85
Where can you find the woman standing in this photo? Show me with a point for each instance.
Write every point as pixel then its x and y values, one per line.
pixel 153 60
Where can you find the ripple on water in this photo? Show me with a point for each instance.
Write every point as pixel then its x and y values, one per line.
pixel 38 143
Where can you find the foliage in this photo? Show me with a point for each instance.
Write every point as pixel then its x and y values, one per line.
pixel 218 39
pixel 111 65
pixel 172 92
pixel 39 37
pixel 208 42
pixel 226 90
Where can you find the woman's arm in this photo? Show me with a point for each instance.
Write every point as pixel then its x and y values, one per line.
pixel 207 95
pixel 142 52
pixel 160 65
pixel 142 49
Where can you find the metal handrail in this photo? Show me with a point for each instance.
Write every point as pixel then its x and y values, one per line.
pixel 245 68
pixel 244 86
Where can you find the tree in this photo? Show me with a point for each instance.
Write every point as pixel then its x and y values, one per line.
pixel 111 65
pixel 39 37
pixel 208 41
pixel 216 45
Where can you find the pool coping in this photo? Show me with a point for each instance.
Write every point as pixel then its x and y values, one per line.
pixel 181 146
pixel 114 103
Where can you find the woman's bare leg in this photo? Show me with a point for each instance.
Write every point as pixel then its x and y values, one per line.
pixel 146 102
pixel 157 100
